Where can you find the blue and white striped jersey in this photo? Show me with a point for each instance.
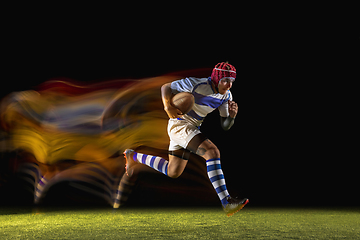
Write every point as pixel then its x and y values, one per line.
pixel 206 100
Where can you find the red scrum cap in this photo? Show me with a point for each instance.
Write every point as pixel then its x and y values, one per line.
pixel 222 70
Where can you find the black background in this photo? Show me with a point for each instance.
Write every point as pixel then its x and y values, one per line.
pixel 291 144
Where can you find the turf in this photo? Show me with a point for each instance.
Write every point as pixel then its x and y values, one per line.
pixel 182 223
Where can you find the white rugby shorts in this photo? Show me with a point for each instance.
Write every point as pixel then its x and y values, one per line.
pixel 180 132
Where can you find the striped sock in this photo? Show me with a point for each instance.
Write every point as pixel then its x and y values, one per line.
pixel 154 162
pixel 217 179
pixel 124 190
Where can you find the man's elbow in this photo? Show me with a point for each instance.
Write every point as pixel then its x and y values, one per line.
pixel 226 123
pixel 226 128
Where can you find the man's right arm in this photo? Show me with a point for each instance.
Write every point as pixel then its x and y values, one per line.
pixel 166 95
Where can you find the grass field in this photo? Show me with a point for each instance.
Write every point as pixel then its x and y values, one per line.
pixel 181 223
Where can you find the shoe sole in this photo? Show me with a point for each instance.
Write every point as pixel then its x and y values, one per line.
pixel 127 161
pixel 241 206
pixel 127 151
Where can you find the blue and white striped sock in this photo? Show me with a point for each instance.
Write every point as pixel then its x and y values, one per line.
pixel 154 162
pixel 217 179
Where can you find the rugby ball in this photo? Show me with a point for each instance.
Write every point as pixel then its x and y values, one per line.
pixel 183 101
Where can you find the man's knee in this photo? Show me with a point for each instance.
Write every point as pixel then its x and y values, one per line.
pixel 176 166
pixel 213 152
pixel 174 173
pixel 208 150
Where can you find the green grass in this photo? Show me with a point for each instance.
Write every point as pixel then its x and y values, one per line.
pixel 182 223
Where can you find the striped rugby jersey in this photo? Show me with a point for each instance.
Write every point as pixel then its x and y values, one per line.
pixel 206 100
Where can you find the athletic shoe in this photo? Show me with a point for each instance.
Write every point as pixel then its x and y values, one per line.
pixel 128 154
pixel 234 205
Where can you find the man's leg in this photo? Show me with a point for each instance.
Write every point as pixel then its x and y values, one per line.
pixel 211 153
pixel 173 167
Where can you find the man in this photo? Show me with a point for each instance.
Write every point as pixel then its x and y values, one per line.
pixel 184 130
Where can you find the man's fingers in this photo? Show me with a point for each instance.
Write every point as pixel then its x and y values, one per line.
pixel 179 114
pixel 232 104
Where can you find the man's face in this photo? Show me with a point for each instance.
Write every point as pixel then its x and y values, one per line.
pixel 225 84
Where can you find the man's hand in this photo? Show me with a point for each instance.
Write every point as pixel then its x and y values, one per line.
pixel 173 112
pixel 233 109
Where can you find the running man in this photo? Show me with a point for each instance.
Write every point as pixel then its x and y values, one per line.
pixel 184 130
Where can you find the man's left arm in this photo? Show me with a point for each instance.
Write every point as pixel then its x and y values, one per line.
pixel 227 122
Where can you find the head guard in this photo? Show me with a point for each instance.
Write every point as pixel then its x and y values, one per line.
pixel 222 70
